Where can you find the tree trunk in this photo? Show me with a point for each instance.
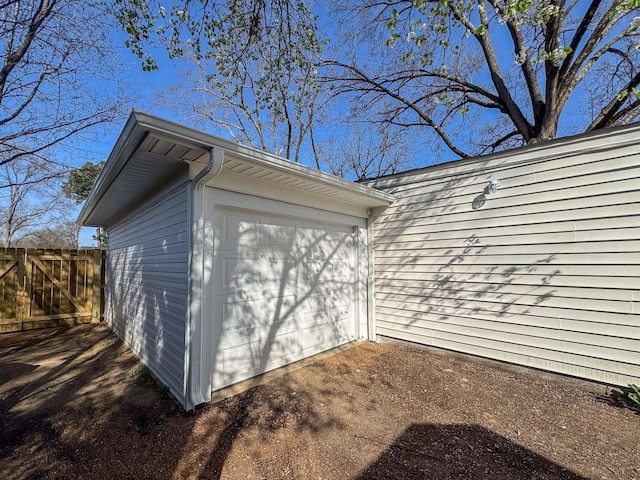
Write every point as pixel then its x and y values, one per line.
pixel 7 230
pixel 548 129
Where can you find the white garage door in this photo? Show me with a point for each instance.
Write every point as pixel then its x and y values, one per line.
pixel 284 289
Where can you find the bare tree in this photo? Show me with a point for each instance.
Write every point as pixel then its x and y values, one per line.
pixel 57 73
pixel 525 61
pixel 254 72
pixel 29 197
pixel 241 113
pixel 366 152
pixel 482 75
pixel 62 235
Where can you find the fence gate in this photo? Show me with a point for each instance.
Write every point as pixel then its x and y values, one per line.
pixel 50 288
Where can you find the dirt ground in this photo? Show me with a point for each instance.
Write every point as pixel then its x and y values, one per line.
pixel 74 403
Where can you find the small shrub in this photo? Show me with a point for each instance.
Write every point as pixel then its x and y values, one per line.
pixel 162 390
pixel 634 394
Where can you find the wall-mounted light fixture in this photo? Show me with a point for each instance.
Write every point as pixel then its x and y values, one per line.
pixel 493 186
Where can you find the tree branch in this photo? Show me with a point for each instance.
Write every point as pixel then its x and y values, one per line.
pixel 607 21
pixel 608 112
pixel 377 86
pixel 528 72
pixel 574 79
pixel 500 141
pixel 579 35
pixel 13 58
pixel 511 108
pixel 27 101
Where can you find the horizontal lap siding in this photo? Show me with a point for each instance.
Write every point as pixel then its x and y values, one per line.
pixel 543 273
pixel 147 285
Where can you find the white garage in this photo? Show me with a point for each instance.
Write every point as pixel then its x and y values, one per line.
pixel 225 262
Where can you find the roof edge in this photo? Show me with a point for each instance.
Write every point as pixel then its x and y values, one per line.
pixel 140 124
pixel 200 139
pixel 114 164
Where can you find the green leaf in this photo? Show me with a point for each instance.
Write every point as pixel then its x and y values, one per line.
pixel 481 30
pixel 622 95
pixel 81 180
pixel 523 6
pixel 634 394
pixel 392 39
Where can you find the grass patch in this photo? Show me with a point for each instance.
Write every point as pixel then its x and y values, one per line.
pixel 140 374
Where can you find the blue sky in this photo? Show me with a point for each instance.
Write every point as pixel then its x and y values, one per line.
pixel 143 87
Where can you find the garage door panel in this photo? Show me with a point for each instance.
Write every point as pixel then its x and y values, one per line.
pixel 326 300
pixel 313 337
pixel 244 272
pixel 257 333
pixel 241 229
pixel 326 259
pixel 240 358
pixel 256 273
pixel 280 233
pixel 252 358
pixel 324 273
pixel 321 331
pixel 281 270
pixel 288 291
pixel 315 342
pixel 256 310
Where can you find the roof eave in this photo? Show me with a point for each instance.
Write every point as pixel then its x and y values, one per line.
pixel 140 124
pixel 131 133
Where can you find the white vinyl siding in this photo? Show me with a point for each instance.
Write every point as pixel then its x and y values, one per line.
pixel 545 272
pixel 147 285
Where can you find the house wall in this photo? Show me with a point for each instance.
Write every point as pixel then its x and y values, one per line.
pixel 544 273
pixel 147 284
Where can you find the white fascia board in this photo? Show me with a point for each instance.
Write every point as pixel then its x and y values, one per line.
pixel 263 189
pixel 126 144
pixel 140 124
pixel 189 136
pixel 367 197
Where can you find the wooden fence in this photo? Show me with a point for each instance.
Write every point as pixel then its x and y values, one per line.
pixel 50 288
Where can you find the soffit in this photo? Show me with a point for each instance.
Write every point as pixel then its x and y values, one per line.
pixel 152 152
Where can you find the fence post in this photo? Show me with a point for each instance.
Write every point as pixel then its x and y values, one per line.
pixel 24 280
pixel 96 286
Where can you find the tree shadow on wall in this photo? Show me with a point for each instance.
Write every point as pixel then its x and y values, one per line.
pixel 268 281
pixel 427 451
pixel 465 288
pixel 434 270
pixel 272 280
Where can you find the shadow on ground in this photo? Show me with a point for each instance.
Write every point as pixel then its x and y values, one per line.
pixel 460 451
pixel 74 402
pixel 619 398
